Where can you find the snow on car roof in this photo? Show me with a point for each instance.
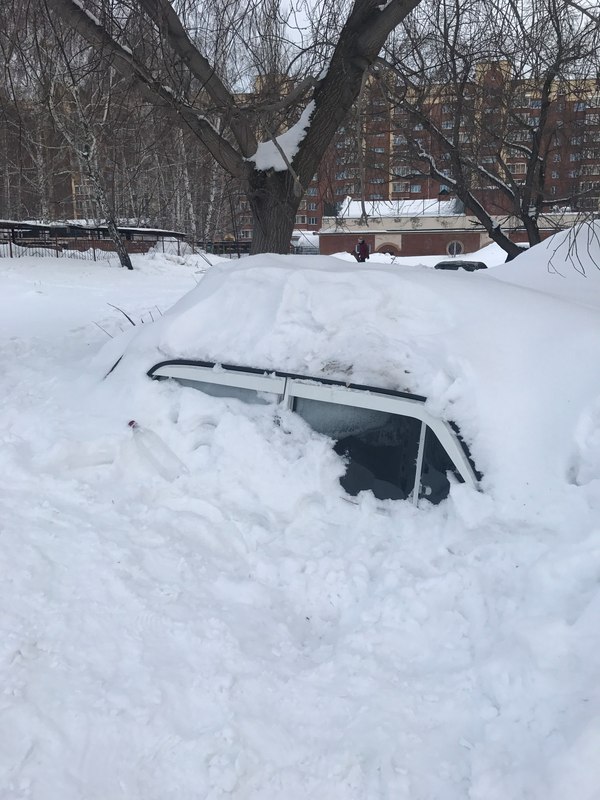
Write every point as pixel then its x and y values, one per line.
pixel 509 365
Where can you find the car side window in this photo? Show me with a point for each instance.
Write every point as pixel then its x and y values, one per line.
pixel 390 443
pixel 380 448
pixel 239 393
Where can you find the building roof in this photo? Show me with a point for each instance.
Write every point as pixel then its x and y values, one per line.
pixel 81 225
pixel 352 209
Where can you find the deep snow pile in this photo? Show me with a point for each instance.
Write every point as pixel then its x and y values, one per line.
pixel 243 631
pixel 566 265
pixel 487 354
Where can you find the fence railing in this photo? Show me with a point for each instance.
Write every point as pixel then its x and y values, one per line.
pixel 85 248
pixel 104 249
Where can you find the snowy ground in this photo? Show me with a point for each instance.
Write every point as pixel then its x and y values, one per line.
pixel 243 631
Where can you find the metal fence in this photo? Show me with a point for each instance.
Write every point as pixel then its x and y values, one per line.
pixel 45 249
pixel 86 248
pixel 103 249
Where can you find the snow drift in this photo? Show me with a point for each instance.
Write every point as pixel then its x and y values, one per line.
pixel 507 364
pixel 242 631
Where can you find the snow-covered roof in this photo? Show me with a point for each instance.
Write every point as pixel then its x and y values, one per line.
pixel 353 209
pixel 126 228
pixel 13 223
pixel 305 238
pixel 86 225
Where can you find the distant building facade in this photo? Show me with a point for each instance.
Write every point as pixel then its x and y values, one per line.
pixel 418 227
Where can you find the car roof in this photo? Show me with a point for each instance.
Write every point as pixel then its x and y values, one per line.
pixel 456 263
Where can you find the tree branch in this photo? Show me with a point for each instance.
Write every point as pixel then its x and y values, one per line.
pixel 124 60
pixel 164 17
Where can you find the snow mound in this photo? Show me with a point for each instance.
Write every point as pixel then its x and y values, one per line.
pixel 510 366
pixel 566 265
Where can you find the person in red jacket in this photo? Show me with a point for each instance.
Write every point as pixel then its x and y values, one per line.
pixel 361 251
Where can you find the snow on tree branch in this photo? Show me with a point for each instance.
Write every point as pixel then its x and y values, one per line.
pixel 279 153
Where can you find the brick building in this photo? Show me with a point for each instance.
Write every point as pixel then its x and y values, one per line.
pixel 378 156
pixel 375 154
pixel 419 227
pixel 495 129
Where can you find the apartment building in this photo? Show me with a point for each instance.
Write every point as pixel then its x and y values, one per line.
pixel 522 144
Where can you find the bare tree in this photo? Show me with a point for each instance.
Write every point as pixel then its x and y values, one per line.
pixel 482 95
pixel 176 62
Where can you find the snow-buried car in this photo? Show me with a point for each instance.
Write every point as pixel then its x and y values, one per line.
pixel 392 445
pixel 393 362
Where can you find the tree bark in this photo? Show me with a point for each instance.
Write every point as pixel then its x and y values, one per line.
pixel 274 205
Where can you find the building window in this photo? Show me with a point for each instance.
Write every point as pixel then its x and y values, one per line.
pixel 556 158
pixel 312 191
pixel 300 219
pixel 245 234
pixel 579 106
pixel 555 174
pixel 517 169
pixel 448 124
pixel 313 221
pixel 535 102
pixel 400 187
pixel 455 248
pixel 379 149
pixel 415 188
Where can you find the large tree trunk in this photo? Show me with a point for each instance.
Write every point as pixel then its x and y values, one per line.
pixel 274 204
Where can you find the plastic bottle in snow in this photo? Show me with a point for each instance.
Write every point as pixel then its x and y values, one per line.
pixel 152 448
